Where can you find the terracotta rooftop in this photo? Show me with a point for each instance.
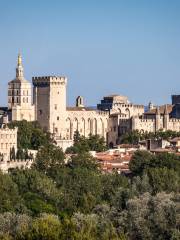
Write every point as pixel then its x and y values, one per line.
pixel 176 139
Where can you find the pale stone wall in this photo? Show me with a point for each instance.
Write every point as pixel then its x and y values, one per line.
pixel 86 122
pixel 63 143
pixel 5 166
pixel 20 113
pixel 8 140
pixel 50 103
pixel 174 124
pixel 143 124
pixel 127 110
pixel 19 93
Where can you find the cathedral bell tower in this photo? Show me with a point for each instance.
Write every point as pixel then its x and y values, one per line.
pixel 19 95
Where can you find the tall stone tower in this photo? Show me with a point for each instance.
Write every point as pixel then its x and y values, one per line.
pixel 166 118
pixel 50 103
pixel 19 96
pixel 157 119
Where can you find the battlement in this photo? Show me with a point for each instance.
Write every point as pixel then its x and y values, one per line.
pixel 102 113
pixel 124 120
pixel 49 80
pixel 128 105
pixel 146 120
pixel 8 130
pixel 174 120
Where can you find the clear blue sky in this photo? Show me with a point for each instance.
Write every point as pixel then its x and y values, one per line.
pixel 129 47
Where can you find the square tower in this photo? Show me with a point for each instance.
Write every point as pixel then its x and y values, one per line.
pixel 49 94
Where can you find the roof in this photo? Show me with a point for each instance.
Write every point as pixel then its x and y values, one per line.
pixel 162 150
pixel 80 109
pixel 176 139
pixel 19 80
pixel 161 109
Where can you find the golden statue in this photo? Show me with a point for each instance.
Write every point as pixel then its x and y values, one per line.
pixel 19 60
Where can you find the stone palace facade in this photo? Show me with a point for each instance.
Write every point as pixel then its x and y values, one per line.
pixel 114 116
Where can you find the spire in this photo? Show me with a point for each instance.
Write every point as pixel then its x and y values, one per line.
pixel 166 110
pixel 157 110
pixel 19 68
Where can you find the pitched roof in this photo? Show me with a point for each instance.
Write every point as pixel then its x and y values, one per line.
pixel 161 109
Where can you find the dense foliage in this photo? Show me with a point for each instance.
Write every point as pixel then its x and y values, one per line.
pixel 135 136
pixel 83 144
pixel 54 200
pixel 74 200
pixel 30 135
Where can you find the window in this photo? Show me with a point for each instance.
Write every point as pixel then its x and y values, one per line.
pixel 55 106
pixel 40 112
pixel 27 99
pixel 58 118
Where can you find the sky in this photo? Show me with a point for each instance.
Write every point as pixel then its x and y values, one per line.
pixel 126 47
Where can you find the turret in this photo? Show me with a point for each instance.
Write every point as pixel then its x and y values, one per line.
pixel 158 116
pixel 79 101
pixel 150 106
pixel 166 117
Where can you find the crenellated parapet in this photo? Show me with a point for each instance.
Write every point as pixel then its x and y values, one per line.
pixel 145 120
pixel 174 120
pixel 46 81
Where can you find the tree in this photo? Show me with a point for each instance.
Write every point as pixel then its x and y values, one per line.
pixel 30 135
pixel 49 159
pixel 163 179
pixel 140 161
pixel 82 144
pixel 45 227
pixel 9 196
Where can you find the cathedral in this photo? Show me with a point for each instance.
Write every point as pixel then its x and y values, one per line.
pixel 113 116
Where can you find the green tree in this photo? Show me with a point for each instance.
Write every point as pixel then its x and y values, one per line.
pixel 46 227
pixel 140 161
pixel 9 196
pixel 49 159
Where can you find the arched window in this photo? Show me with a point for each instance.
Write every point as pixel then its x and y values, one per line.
pixel 127 113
